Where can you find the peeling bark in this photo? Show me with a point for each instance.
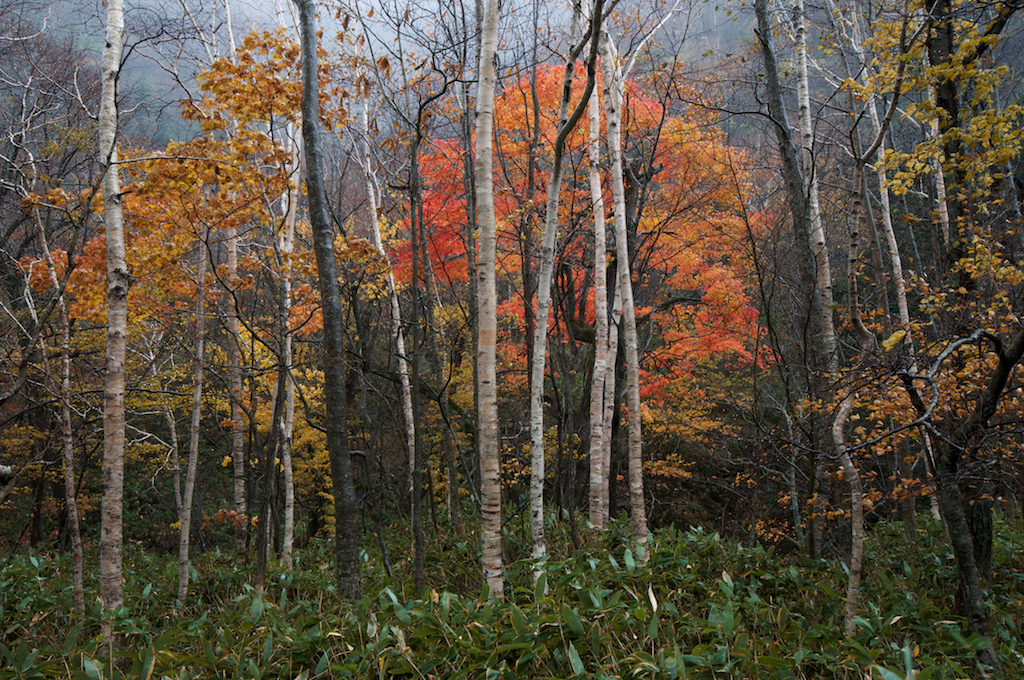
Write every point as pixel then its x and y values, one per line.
pixel 488 440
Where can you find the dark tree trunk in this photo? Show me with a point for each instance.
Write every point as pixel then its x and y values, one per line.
pixel 335 365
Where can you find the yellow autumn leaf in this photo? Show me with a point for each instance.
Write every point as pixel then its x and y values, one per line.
pixel 894 340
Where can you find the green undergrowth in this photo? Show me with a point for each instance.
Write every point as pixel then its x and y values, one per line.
pixel 702 607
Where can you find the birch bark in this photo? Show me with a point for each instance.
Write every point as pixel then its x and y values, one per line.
pixel 488 441
pixel 118 282
pixel 286 247
pixel 598 383
pixel 612 74
pixel 547 260
pixel 185 517
pixel 819 246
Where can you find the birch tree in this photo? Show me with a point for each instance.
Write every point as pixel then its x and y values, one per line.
pixel 603 380
pixel 612 74
pixel 566 123
pixel 185 515
pixel 488 439
pixel 285 249
pixel 118 281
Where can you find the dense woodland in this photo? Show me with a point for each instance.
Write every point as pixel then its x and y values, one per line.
pixel 605 339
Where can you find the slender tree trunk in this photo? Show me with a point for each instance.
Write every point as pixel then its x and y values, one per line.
pixel 419 255
pixel 819 248
pixel 185 518
pixel 437 340
pixel 822 266
pixel 599 426
pixel 172 429
pixel 286 247
pixel 812 312
pixel 867 343
pixel 613 116
pixel 547 262
pixel 67 436
pixel 856 565
pixel 855 40
pixel 336 416
pixel 267 517
pixel 469 190
pixel 118 282
pixel 397 334
pixel 488 440
pixel 238 471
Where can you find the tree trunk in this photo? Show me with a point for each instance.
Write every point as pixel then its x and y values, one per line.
pixel 547 262
pixel 335 416
pixel 822 266
pixel 599 380
pixel 613 116
pixel 185 518
pixel 813 313
pixel 67 436
pixel 488 441
pixel 118 282
pixel 397 335
pixel 238 472
pixel 286 247
pixel 267 516
pixel 856 564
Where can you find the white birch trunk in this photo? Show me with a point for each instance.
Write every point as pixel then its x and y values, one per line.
pixel 540 335
pixel 598 424
pixel 185 518
pixel 609 403
pixel 856 514
pixel 489 442
pixel 286 245
pixel 940 190
pixel 235 365
pixel 118 281
pixel 819 246
pixel 613 115
pixel 172 429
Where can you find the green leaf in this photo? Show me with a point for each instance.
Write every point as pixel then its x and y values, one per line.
pixel 89 666
pixel 148 665
pixel 321 666
pixel 728 620
pixel 519 624
pixel 540 588
pixel 572 619
pixel 886 673
pixel 628 559
pixel 652 627
pixel 773 662
pixel 256 608
pixel 268 649
pixel 574 659
pixel 72 639
pixel 208 649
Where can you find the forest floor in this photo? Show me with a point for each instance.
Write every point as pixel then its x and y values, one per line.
pixel 702 607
